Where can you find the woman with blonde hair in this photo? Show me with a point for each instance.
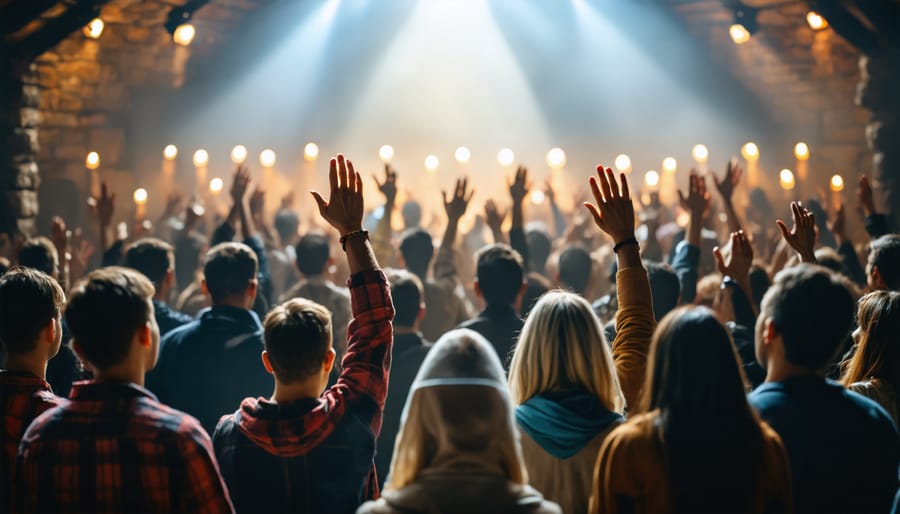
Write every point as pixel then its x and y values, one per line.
pixel 457 450
pixel 874 369
pixel 569 388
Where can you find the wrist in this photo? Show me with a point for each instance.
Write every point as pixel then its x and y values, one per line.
pixel 343 231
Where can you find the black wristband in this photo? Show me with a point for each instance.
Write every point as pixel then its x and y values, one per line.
pixel 625 242
pixel 355 233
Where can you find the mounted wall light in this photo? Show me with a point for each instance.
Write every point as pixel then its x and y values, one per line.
pixel 745 24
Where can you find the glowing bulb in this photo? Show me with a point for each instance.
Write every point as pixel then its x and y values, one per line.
pixel 239 154
pixel 669 164
pixel 801 151
pixel 311 151
pixel 93 29
pixel 537 197
pixel 170 152
pixel 750 151
pixel 462 155
pixel 651 178
pixel 816 21
pixel 140 196
pixel 623 163
pixel 506 157
pixel 184 34
pixel 267 158
pixel 786 178
pixel 556 158
pixel 92 161
pixel 837 183
pixel 201 158
pixel 432 163
pixel 386 153
pixel 216 185
pixel 700 153
pixel 739 34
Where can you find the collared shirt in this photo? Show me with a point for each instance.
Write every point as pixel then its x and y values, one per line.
pixel 23 397
pixel 335 299
pixel 115 448
pixel 168 319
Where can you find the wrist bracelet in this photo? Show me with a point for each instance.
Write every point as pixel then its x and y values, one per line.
pixel 625 242
pixel 349 235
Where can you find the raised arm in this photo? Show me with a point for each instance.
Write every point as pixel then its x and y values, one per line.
pixel 845 247
pixel 493 218
pixel 802 238
pixel 518 190
pixel 876 224
pixel 726 187
pixel 381 239
pixel 455 207
pixel 734 261
pixel 687 254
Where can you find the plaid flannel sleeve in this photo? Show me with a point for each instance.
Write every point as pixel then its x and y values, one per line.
pixel 208 493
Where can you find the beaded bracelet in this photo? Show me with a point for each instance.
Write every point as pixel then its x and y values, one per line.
pixel 355 233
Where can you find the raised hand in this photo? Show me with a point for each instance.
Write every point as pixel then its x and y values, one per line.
pixel 697 200
pixel 389 186
pixel 257 203
pixel 802 238
pixel 729 182
pixel 866 198
pixel 173 203
pixel 493 216
pixel 613 212
pixel 59 236
pixel 736 257
pixel 106 205
pixel 838 225
pixel 519 187
pixel 459 201
pixel 240 184
pixel 288 200
pixel 549 193
pixel 344 208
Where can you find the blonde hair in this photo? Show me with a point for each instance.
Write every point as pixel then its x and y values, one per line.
pixel 562 346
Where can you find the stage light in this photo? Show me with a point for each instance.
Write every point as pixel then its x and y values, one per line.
pixel 170 152
pixel 140 196
pixel 184 34
pixel 267 158
pixel 93 29
pixel 669 164
pixel 432 163
pixel 786 178
pixel 651 179
pixel 462 155
pixel 537 197
pixel 745 24
pixel 386 153
pixel 738 34
pixel 837 183
pixel 556 158
pixel 801 151
pixel 623 163
pixel 700 153
pixel 239 154
pixel 311 151
pixel 216 185
pixel 750 151
pixel 201 158
pixel 92 161
pixel 816 21
pixel 506 157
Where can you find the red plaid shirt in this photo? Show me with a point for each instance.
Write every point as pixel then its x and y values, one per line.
pixel 115 448
pixel 23 397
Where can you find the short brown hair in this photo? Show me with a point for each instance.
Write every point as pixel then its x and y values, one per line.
pixel 228 270
pixel 408 295
pixel 29 300
pixel 297 337
pixel 151 256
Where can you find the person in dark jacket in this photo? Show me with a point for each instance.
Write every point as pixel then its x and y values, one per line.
pixel 155 259
pixel 301 450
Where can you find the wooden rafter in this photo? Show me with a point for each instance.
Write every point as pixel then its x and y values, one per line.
pixel 54 30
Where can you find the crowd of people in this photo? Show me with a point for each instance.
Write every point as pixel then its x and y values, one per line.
pixel 718 364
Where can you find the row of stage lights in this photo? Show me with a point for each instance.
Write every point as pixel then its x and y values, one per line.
pixel 745 23
pixel 182 30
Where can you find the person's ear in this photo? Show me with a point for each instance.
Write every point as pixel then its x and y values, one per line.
pixel 204 288
pixel 252 288
pixel 877 279
pixel 76 347
pixel 421 314
pixel 169 279
pixel 769 331
pixel 145 335
pixel 267 363
pixel 328 363
pixel 477 288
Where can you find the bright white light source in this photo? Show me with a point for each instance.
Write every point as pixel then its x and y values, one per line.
pixel 92 161
pixel 786 178
pixel 311 151
pixel 669 164
pixel 739 34
pixel 537 197
pixel 816 21
pixel 216 185
pixel 140 196
pixel 556 158
pixel 700 153
pixel 201 158
pixel 750 151
pixel 837 183
pixel 651 179
pixel 506 157
pixel 386 153
pixel 170 152
pixel 432 163
pixel 267 158
pixel 462 155
pixel 801 151
pixel 239 154
pixel 184 34
pixel 623 163
pixel 93 29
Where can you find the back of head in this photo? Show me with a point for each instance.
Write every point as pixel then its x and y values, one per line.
pixel 827 257
pixel 458 410
pixel 152 257
pixel 408 296
pixel 575 268
pixel 664 286
pixel 29 301
pixel 229 270
pixel 313 252
pixel 105 311
pixel 411 212
pixel 539 247
pixel 812 309
pixel 500 274
pixel 878 347
pixel 562 348
pixel 417 249
pixel 287 223
pixel 40 254
pixel 884 253
pixel 297 336
pixel 536 286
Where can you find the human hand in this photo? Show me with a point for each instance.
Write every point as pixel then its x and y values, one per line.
pixel 729 182
pixel 865 195
pixel 838 224
pixel 388 188
pixel 519 187
pixel 257 203
pixel 736 257
pixel 288 200
pixel 173 203
pixel 240 184
pixel 106 205
pixel 82 251
pixel 59 236
pixel 493 216
pixel 459 201
pixel 802 238
pixel 698 199
pixel 549 193
pixel 613 212
pixel 344 208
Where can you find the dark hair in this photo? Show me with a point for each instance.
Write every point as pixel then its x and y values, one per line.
pixel 297 336
pixel 759 282
pixel 408 295
pixel 539 247
pixel 287 222
pixel 884 254
pixel 575 268
pixel 40 254
pixel 417 250
pixel 878 352
pixel 536 286
pixel 152 257
pixel 313 251
pixel 664 286
pixel 500 274
pixel 187 258
pixel 827 257
pixel 411 212
pixel 29 300
pixel 812 308
pixel 228 270
pixel 105 310
pixel 712 439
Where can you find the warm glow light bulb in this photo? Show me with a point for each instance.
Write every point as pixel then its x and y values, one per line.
pixel 140 196
pixel 837 183
pixel 623 163
pixel 750 151
pixel 184 34
pixel 786 178
pixel 739 34
pixel 700 153
pixel 239 154
pixel 92 161
pixel 669 164
pixel 801 151
pixel 816 21
pixel 537 197
pixel 311 151
pixel 432 163
pixel 216 185
pixel 506 157
pixel 93 29
pixel 651 179
pixel 267 158
pixel 462 155
pixel 201 158
pixel 170 152
pixel 556 158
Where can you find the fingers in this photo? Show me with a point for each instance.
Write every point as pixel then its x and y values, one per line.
pixel 595 190
pixel 613 185
pixel 626 192
pixel 594 212
pixel 342 171
pixel 604 184
pixel 720 260
pixel 359 185
pixel 320 202
pixel 333 174
pixel 444 196
pixel 784 230
pixel 681 197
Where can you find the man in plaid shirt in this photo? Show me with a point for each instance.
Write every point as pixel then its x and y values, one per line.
pixel 113 447
pixel 301 450
pixel 30 333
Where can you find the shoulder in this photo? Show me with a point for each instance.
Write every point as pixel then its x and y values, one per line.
pixel 869 407
pixel 51 416
pixel 635 436
pixel 163 422
pixel 180 333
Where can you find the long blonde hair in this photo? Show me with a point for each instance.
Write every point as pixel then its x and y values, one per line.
pixel 561 347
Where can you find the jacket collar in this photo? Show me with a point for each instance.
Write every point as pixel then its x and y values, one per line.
pixel 242 317
pixel 90 390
